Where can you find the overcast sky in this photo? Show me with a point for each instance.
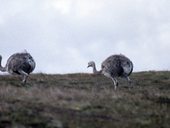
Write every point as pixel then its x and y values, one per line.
pixel 63 35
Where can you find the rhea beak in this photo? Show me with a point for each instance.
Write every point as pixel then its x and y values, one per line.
pixel 88 65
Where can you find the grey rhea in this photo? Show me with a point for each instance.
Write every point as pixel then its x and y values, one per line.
pixel 114 66
pixel 19 63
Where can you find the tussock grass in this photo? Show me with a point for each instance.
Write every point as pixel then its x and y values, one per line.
pixel 85 101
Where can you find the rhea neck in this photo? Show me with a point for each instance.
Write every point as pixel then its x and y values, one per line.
pixel 2 69
pixel 95 70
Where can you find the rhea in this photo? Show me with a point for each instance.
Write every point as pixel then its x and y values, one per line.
pixel 114 66
pixel 19 63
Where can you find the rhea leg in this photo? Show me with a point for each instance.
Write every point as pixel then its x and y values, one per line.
pixel 24 75
pixel 128 79
pixel 115 82
pixel 24 79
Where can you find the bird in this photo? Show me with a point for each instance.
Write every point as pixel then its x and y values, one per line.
pixel 114 66
pixel 19 63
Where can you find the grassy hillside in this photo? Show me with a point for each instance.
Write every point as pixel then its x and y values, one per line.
pixel 85 101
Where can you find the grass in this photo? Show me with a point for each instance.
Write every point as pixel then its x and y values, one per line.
pixel 85 101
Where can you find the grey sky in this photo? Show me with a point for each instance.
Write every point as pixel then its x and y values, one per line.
pixel 63 35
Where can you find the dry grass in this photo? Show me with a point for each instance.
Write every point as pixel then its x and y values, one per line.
pixel 85 101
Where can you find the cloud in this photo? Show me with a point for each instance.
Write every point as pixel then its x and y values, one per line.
pixel 63 35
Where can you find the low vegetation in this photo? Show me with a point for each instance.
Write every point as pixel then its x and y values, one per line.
pixel 85 101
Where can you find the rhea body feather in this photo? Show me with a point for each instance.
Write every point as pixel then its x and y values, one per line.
pixel 19 63
pixel 114 66
pixel 117 66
